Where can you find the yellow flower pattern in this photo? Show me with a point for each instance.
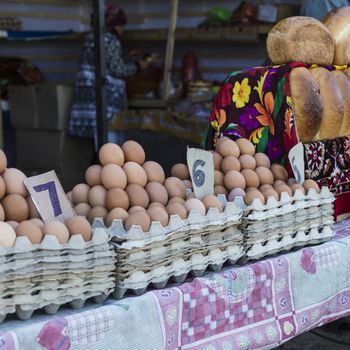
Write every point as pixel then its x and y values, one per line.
pixel 241 93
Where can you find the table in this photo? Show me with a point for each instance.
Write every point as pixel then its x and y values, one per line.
pixel 256 306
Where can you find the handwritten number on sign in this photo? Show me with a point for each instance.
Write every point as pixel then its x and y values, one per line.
pixel 296 170
pixel 198 175
pixel 51 188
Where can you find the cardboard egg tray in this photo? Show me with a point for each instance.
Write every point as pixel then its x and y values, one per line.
pixel 50 274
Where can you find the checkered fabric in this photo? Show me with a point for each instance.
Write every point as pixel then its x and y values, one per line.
pixel 326 256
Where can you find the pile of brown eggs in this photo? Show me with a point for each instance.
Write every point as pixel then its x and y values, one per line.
pixel 128 188
pixel 240 172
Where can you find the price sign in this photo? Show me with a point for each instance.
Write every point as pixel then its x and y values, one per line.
pixel 201 166
pixel 296 159
pixel 49 197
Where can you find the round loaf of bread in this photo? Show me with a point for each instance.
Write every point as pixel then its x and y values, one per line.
pixel 300 39
pixel 332 101
pixel 338 23
pixel 306 102
pixel 344 86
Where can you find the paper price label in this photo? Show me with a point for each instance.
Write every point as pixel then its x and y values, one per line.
pixel 49 197
pixel 296 159
pixel 201 167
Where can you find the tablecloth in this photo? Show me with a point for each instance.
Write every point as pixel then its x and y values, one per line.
pixel 256 306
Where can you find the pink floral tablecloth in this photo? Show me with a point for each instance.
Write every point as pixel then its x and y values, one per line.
pixel 257 306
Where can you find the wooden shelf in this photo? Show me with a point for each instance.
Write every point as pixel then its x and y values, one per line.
pixel 146 103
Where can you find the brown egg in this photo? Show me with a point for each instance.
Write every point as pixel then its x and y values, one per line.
pixel 264 187
pixel 16 208
pixel 93 175
pixel 80 193
pixel 245 146
pixel 234 179
pixel 133 152
pixel 135 174
pixel 228 148
pixel 310 184
pixel 113 175
pixel 140 218
pixel 283 188
pixel 279 182
pixel 188 184
pixel 154 171
pixel 291 181
pixel 176 200
pixel 265 175
pixel 2 213
pixel 136 208
pixel 137 195
pixel 13 224
pixel 175 187
pixel 111 153
pixel 30 230
pixel 97 212
pixel 250 188
pixel 279 172
pixel 157 192
pixel 295 187
pixel 33 211
pixel 262 160
pixel 58 229
pixel 82 209
pixel 221 139
pixel 155 204
pixel 69 196
pixel 181 171
pixel 211 201
pixel 217 159
pixel 247 161
pixel 249 198
pixel 177 209
pixel 196 205
pixel 218 178
pixel 236 192
pixel 116 214
pixel 220 190
pixel 270 192
pixel 117 198
pixel 159 214
pixel 37 222
pixel 14 182
pixel 251 178
pixel 2 187
pixel 3 161
pixel 230 163
pixel 78 225
pixel 7 235
pixel 97 196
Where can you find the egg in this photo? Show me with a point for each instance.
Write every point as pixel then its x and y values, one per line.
pixel 78 225
pixel 250 188
pixel 14 182
pixel 251 178
pixel 245 146
pixel 234 179
pixel 310 184
pixel 13 224
pixel 249 198
pixel 264 187
pixel 112 175
pixel 157 192
pixel 291 181
pixel 230 163
pixel 135 174
pixel 221 139
pixel 16 208
pixel 180 171
pixel 37 222
pixel 176 200
pixel 211 201
pixel 218 178
pixel 188 184
pixel 279 182
pixel 279 172
pixel 265 175
pixel 228 148
pixel 159 214
pixel 247 161
pixel 236 192
pixel 80 193
pixel 93 175
pixel 270 192
pixel 220 190
pixel 97 212
pixel 175 187
pixel 82 209
pixel 116 214
pixel 111 153
pixel 156 204
pixel 2 187
pixel 136 208
pixel 195 205
pixel 154 171
pixel 140 218
pixel 133 152
pixel 295 187
pixel 69 196
pixel 3 161
pixel 262 160
pixel 7 235
pixel 2 213
pixel 97 196
pixel 137 195
pixel 177 209
pixel 33 211
pixel 31 230
pixel 58 229
pixel 283 188
pixel 117 198
pixel 217 159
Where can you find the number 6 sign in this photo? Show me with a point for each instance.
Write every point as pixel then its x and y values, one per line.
pixel 49 198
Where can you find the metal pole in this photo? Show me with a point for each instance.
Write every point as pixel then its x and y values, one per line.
pixel 100 71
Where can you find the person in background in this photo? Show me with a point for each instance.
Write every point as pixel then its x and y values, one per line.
pixel 319 9
pixel 82 121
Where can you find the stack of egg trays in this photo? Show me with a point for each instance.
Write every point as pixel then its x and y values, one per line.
pixel 50 274
pixel 184 246
pixel 282 225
